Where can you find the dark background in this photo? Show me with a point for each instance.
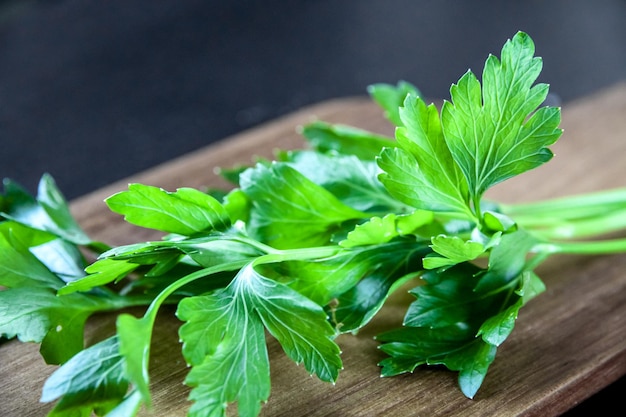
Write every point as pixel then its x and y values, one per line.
pixel 94 91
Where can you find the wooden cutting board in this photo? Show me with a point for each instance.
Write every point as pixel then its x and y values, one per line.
pixel 569 342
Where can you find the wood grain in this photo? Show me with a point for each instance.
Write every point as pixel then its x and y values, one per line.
pixel 569 343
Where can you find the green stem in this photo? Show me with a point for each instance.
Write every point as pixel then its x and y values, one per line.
pixel 117 302
pixel 601 247
pixel 272 255
pixel 583 215
pixel 173 287
pixel 581 205
pixel 297 254
pixel 556 228
pixel 477 211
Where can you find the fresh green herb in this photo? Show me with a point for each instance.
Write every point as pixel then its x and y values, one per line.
pixel 307 247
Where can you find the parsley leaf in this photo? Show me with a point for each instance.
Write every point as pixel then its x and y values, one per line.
pixel 388 266
pixel 224 331
pixel 36 314
pixel 351 180
pixel 18 266
pixel 186 211
pixel 492 133
pixel 289 210
pixel 48 211
pixel 453 346
pixel 30 308
pixel 441 330
pixel 93 380
pixel 100 273
pixel 326 138
pixel 422 172
pixel 391 97
pixel 452 250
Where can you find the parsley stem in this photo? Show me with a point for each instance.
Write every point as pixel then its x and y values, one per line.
pixel 477 211
pixel 596 202
pixel 583 248
pixel 594 226
pixel 170 289
pixel 255 244
pixel 591 214
pixel 297 254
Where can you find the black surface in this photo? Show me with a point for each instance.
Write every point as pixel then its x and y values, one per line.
pixel 93 91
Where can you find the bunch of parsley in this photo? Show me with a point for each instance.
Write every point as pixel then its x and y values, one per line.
pixel 307 247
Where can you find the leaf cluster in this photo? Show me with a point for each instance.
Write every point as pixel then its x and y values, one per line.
pixel 306 247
